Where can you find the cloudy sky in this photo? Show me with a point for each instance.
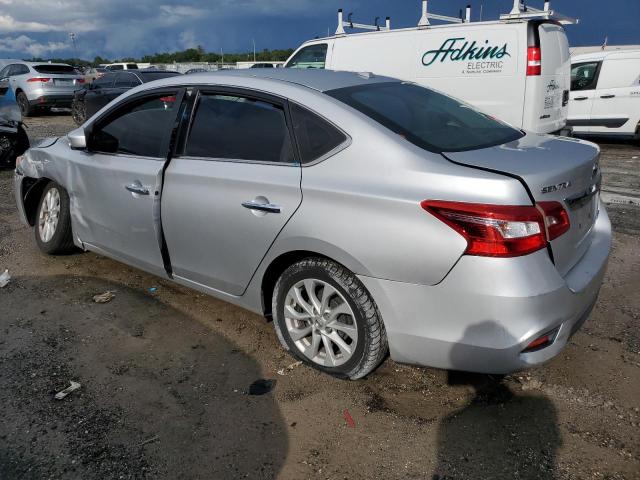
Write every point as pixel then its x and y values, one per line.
pixel 119 28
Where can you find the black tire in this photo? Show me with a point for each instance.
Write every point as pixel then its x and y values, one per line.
pixel 78 111
pixel 25 107
pixel 12 145
pixel 371 347
pixel 61 242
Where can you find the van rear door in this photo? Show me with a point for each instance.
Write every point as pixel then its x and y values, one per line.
pixel 547 78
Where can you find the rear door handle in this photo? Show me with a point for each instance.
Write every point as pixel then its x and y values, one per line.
pixel 607 96
pixel 138 188
pixel 581 98
pixel 261 207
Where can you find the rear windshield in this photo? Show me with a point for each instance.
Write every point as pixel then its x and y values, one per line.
pixel 428 119
pixel 132 66
pixel 151 76
pixel 54 69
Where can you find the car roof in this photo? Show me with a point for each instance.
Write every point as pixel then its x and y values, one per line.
pixel 585 57
pixel 316 79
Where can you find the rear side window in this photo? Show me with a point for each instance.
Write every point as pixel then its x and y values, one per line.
pixel 151 76
pixel 132 66
pixel 584 75
pixel 239 128
pixel 127 80
pixel 19 69
pixel 140 128
pixel 428 119
pixel 619 73
pixel 313 56
pixel 54 69
pixel 116 67
pixel 106 81
pixel 316 137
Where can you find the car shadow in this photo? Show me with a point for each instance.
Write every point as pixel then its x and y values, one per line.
pixel 162 396
pixel 500 433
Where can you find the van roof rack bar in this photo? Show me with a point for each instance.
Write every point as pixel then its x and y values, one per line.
pixel 362 26
pixel 424 19
pixel 521 11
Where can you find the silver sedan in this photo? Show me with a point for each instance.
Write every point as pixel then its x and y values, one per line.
pixel 364 215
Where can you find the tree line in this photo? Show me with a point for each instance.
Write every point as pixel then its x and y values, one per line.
pixel 197 54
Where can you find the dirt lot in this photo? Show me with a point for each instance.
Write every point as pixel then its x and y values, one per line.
pixel 166 373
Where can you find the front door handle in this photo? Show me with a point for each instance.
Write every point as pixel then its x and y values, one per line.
pixel 607 96
pixel 138 188
pixel 580 98
pixel 261 207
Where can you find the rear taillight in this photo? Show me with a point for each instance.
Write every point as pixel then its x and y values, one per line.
pixel 534 61
pixel 79 80
pixel 556 219
pixel 39 79
pixel 501 230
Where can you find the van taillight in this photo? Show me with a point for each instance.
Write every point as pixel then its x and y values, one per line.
pixel 534 61
pixel 501 230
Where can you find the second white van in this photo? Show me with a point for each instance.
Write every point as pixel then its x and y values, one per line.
pixel 516 69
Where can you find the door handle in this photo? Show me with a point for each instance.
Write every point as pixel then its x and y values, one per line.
pixel 137 187
pixel 261 207
pixel 580 98
pixel 607 96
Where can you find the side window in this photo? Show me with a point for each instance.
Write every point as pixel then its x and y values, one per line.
pixel 316 137
pixel 239 128
pixel 313 56
pixel 619 73
pixel 127 80
pixel 584 76
pixel 4 73
pixel 139 128
pixel 106 81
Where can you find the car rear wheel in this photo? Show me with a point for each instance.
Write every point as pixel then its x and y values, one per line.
pixel 53 221
pixel 25 107
pixel 325 317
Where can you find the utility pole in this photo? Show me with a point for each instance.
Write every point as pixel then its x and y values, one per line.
pixel 254 50
pixel 72 36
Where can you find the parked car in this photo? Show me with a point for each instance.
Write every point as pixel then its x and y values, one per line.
pixel 96 95
pixel 40 86
pixel 516 68
pixel 93 73
pixel 605 94
pixel 361 213
pixel 121 66
pixel 13 138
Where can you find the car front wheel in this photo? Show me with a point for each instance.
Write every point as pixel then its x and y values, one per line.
pixel 325 317
pixel 53 221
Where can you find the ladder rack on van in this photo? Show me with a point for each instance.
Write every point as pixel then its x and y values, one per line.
pixel 521 11
pixel 350 24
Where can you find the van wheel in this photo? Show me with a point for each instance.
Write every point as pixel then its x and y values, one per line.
pixel 325 317
pixel 25 107
pixel 53 221
pixel 78 112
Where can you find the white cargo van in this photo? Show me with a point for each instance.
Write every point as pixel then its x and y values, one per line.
pixel 605 94
pixel 516 69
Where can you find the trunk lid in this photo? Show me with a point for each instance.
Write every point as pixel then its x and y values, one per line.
pixel 553 169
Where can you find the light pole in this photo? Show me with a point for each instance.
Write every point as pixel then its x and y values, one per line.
pixel 254 50
pixel 72 36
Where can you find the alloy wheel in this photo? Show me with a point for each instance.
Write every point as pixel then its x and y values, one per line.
pixel 49 215
pixel 320 322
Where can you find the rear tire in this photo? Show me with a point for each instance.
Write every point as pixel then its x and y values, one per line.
pixel 25 107
pixel 337 328
pixel 78 112
pixel 53 221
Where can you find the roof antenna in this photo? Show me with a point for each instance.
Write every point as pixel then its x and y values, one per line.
pixel 349 19
pixel 375 24
pixel 388 23
pixel 340 29
pixel 467 15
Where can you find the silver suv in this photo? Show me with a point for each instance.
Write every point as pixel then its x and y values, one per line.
pixel 39 86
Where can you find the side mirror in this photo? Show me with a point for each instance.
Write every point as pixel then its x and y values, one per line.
pixel 77 139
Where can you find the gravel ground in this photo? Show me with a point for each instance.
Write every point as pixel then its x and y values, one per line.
pixel 166 377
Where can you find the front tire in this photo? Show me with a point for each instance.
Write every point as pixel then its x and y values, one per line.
pixel 325 317
pixel 53 221
pixel 78 112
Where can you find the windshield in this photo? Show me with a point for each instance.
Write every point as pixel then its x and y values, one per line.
pixel 428 119
pixel 54 69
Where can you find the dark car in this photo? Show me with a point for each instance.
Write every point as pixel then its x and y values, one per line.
pixel 96 95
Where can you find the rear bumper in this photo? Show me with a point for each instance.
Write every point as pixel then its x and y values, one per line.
pixel 487 310
pixel 52 100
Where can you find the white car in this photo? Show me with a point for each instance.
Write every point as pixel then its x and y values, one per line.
pixel 605 94
pixel 515 69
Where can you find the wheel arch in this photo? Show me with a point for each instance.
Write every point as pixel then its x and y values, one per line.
pixel 282 260
pixel 31 193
